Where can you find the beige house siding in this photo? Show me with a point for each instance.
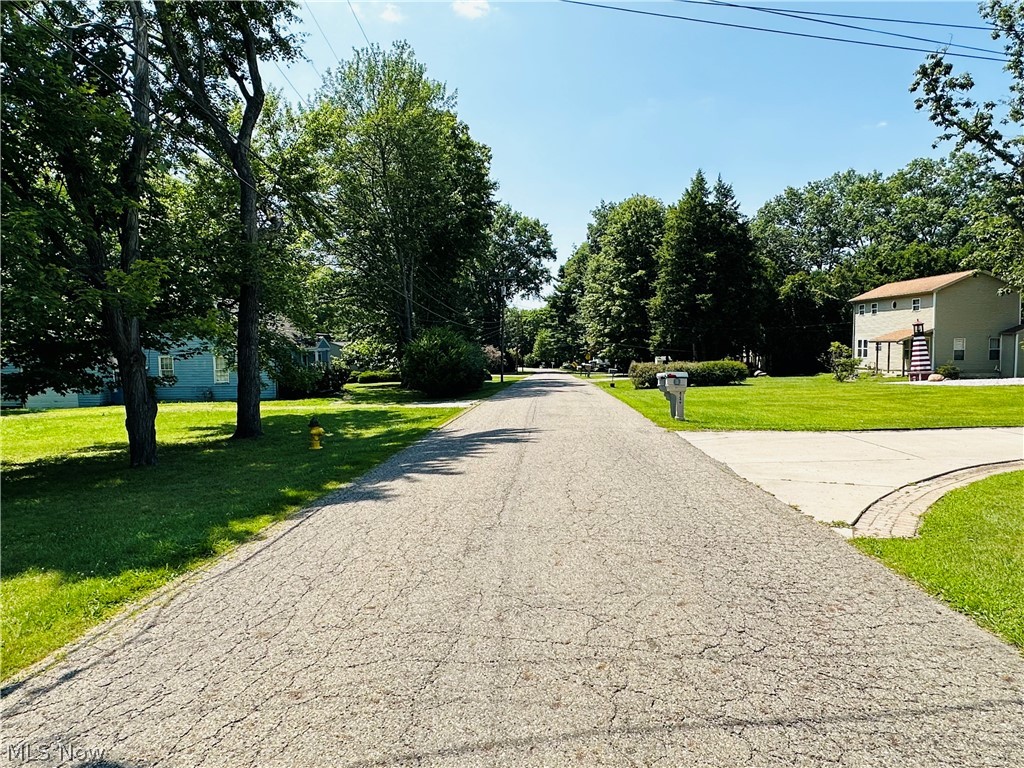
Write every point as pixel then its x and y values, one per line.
pixel 975 311
pixel 887 320
pixel 1011 348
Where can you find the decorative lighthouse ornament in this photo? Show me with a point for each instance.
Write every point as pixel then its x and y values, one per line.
pixel 920 360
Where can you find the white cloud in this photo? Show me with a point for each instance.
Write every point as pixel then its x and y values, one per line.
pixel 391 13
pixel 881 124
pixel 471 9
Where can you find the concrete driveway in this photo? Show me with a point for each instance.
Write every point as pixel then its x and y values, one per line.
pixel 834 476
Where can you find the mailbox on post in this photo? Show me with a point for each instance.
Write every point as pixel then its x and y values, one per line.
pixel 673 385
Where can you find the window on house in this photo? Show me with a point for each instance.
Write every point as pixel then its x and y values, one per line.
pixel 166 366
pixel 860 309
pixel 221 372
pixel 993 348
pixel 894 305
pixel 959 347
pixel 862 348
pixel 874 309
pixel 323 356
pixel 915 305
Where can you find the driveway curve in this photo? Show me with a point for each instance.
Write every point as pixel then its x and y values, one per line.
pixel 548 580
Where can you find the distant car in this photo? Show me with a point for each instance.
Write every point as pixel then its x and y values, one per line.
pixel 599 365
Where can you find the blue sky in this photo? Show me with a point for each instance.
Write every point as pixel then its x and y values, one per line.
pixel 581 104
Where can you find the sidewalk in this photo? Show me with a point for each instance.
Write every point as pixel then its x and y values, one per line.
pixel 834 476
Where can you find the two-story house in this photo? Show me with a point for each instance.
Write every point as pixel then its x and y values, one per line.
pixel 967 320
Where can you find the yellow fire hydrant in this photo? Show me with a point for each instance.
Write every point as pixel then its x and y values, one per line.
pixel 316 432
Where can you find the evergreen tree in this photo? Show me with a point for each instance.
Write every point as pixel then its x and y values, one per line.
pixel 620 280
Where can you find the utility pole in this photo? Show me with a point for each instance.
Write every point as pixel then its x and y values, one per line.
pixel 501 331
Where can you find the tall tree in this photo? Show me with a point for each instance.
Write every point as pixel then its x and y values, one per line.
pixel 207 46
pixel 706 301
pixel 513 265
pixel 566 321
pixel 80 287
pixel 620 280
pixel 993 128
pixel 410 195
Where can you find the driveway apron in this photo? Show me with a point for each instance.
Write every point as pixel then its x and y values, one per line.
pixel 548 580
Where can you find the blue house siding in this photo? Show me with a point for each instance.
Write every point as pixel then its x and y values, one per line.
pixel 195 378
pixel 86 399
pixel 50 399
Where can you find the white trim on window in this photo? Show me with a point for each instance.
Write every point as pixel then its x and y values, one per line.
pixel 221 371
pixel 915 305
pixel 165 366
pixel 862 348
pixel 994 345
pixel 959 348
pixel 860 309
pixel 874 308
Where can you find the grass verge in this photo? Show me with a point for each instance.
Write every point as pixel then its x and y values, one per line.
pixel 84 535
pixel 820 403
pixel 393 394
pixel 970 553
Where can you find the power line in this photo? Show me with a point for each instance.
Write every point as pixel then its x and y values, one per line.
pixel 302 99
pixel 788 33
pixel 322 33
pixel 789 15
pixel 359 23
pixel 876 18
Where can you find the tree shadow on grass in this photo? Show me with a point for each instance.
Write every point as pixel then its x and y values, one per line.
pixel 90 516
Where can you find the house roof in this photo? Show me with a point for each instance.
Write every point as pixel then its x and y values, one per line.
pixel 1011 331
pixel 893 336
pixel 920 285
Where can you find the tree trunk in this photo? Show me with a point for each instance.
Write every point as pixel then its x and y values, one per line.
pixel 140 409
pixel 248 423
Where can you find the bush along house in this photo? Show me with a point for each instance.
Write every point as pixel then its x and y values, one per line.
pixel 970 321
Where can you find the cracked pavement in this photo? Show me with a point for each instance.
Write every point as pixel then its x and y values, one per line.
pixel 548 580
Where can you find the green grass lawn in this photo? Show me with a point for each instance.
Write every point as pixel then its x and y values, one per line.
pixel 820 403
pixel 391 394
pixel 970 553
pixel 83 535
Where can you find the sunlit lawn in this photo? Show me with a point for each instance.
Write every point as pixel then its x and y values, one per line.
pixel 820 403
pixel 970 553
pixel 390 393
pixel 83 535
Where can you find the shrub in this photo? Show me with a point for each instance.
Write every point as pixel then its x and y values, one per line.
pixel 296 381
pixel 493 357
pixel 441 363
pixel 376 377
pixel 948 371
pixel 645 375
pixel 839 359
pixel 711 373
pixel 531 360
pixel 369 355
pixel 717 373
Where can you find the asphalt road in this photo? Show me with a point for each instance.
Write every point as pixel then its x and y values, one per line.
pixel 550 580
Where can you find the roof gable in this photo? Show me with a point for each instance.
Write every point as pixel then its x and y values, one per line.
pixel 917 286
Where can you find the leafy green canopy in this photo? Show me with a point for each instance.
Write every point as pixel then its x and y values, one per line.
pixel 409 194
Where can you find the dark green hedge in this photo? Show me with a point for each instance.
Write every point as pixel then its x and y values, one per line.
pixel 711 373
pixel 376 377
pixel 442 363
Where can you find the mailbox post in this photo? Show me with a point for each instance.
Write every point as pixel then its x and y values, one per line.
pixel 673 386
